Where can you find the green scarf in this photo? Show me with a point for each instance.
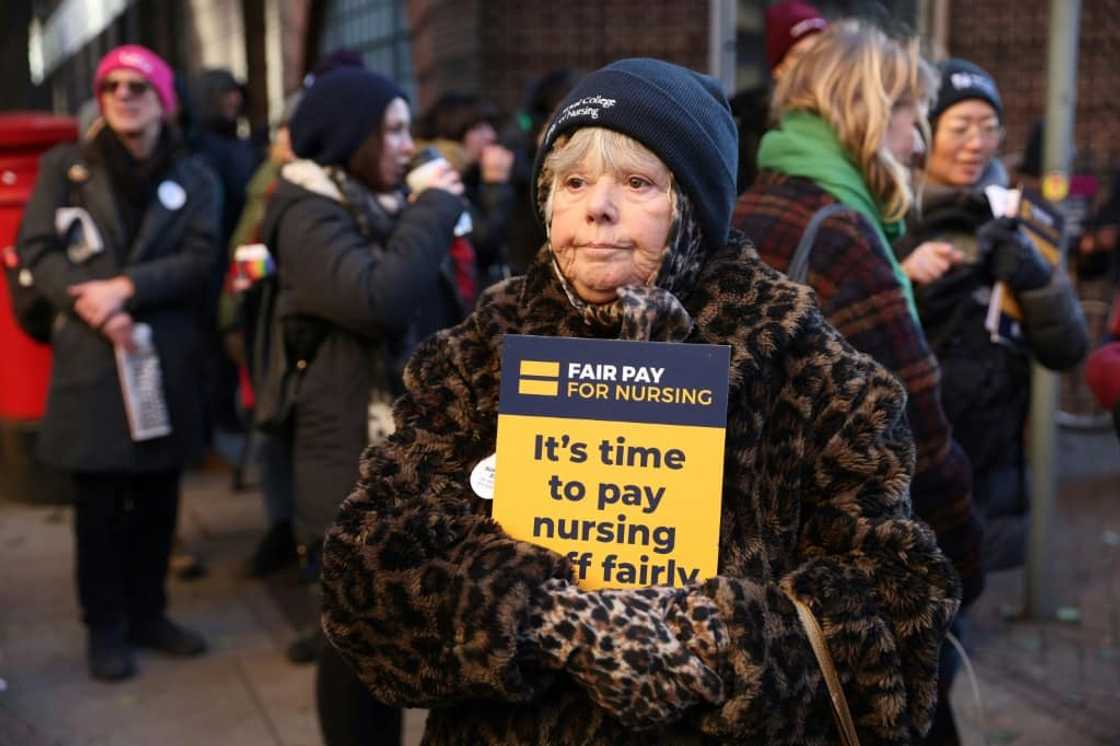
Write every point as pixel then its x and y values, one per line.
pixel 805 145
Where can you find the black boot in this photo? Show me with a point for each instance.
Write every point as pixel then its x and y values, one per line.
pixel 276 551
pixel 164 635
pixel 110 658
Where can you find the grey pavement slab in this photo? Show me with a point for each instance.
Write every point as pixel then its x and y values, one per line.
pixel 171 702
pixel 283 695
pixel 1056 682
pixel 242 692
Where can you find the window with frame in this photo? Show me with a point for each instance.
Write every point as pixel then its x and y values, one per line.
pixel 376 29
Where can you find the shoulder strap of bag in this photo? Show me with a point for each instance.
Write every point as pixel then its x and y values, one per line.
pixel 272 350
pixel 799 264
pixel 840 712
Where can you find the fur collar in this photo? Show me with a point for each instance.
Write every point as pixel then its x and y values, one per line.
pixel 738 301
pixel 312 177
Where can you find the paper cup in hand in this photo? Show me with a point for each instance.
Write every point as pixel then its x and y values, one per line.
pixel 252 263
pixel 423 168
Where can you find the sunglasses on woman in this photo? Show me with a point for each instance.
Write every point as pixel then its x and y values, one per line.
pixel 134 87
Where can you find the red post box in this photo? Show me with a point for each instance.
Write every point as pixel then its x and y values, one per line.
pixel 25 365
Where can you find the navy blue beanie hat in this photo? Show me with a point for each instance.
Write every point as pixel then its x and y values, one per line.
pixel 680 115
pixel 338 112
pixel 961 80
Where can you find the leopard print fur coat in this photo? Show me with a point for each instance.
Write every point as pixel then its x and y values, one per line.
pixel 425 595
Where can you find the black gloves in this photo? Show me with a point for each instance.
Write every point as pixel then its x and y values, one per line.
pixel 1010 255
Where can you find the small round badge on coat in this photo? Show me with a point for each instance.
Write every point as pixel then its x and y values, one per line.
pixel 78 173
pixel 482 477
pixel 171 195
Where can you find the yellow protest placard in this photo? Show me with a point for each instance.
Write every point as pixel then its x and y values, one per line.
pixel 612 453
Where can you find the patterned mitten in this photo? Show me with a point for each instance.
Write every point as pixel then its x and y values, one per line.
pixel 694 619
pixel 621 647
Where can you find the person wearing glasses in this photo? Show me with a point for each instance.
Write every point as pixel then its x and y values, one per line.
pixel 954 251
pixel 121 237
pixel 847 113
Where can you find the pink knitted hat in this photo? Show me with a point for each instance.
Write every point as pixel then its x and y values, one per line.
pixel 146 62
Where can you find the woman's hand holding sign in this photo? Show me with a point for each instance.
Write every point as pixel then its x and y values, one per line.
pixel 643 655
pixel 694 620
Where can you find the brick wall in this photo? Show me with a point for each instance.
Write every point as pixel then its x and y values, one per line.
pixel 445 47
pixel 1009 39
pixel 498 47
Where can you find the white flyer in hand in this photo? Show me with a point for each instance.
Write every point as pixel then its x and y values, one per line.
pixel 78 231
pixel 1003 201
pixel 142 387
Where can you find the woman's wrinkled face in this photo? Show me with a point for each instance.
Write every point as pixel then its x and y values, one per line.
pixel 967 136
pixel 609 226
pixel 396 143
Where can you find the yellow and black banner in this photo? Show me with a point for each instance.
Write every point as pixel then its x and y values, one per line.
pixel 611 452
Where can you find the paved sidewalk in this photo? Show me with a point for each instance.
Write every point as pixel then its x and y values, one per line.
pixel 243 693
pixel 1056 683
pixel 1041 684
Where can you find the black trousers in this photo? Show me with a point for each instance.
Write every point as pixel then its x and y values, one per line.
pixel 124 525
pixel 348 713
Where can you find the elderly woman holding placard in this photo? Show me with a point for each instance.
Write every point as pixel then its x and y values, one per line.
pixel 436 606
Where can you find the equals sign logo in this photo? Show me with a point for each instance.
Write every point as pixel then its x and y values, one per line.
pixel 539 378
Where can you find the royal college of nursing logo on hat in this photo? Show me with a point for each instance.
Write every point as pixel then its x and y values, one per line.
pixel 965 80
pixel 589 106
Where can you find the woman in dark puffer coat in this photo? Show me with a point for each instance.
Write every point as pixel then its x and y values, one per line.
pixel 954 251
pixel 437 607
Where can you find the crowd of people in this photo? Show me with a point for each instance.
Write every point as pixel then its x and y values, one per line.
pixel 333 305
